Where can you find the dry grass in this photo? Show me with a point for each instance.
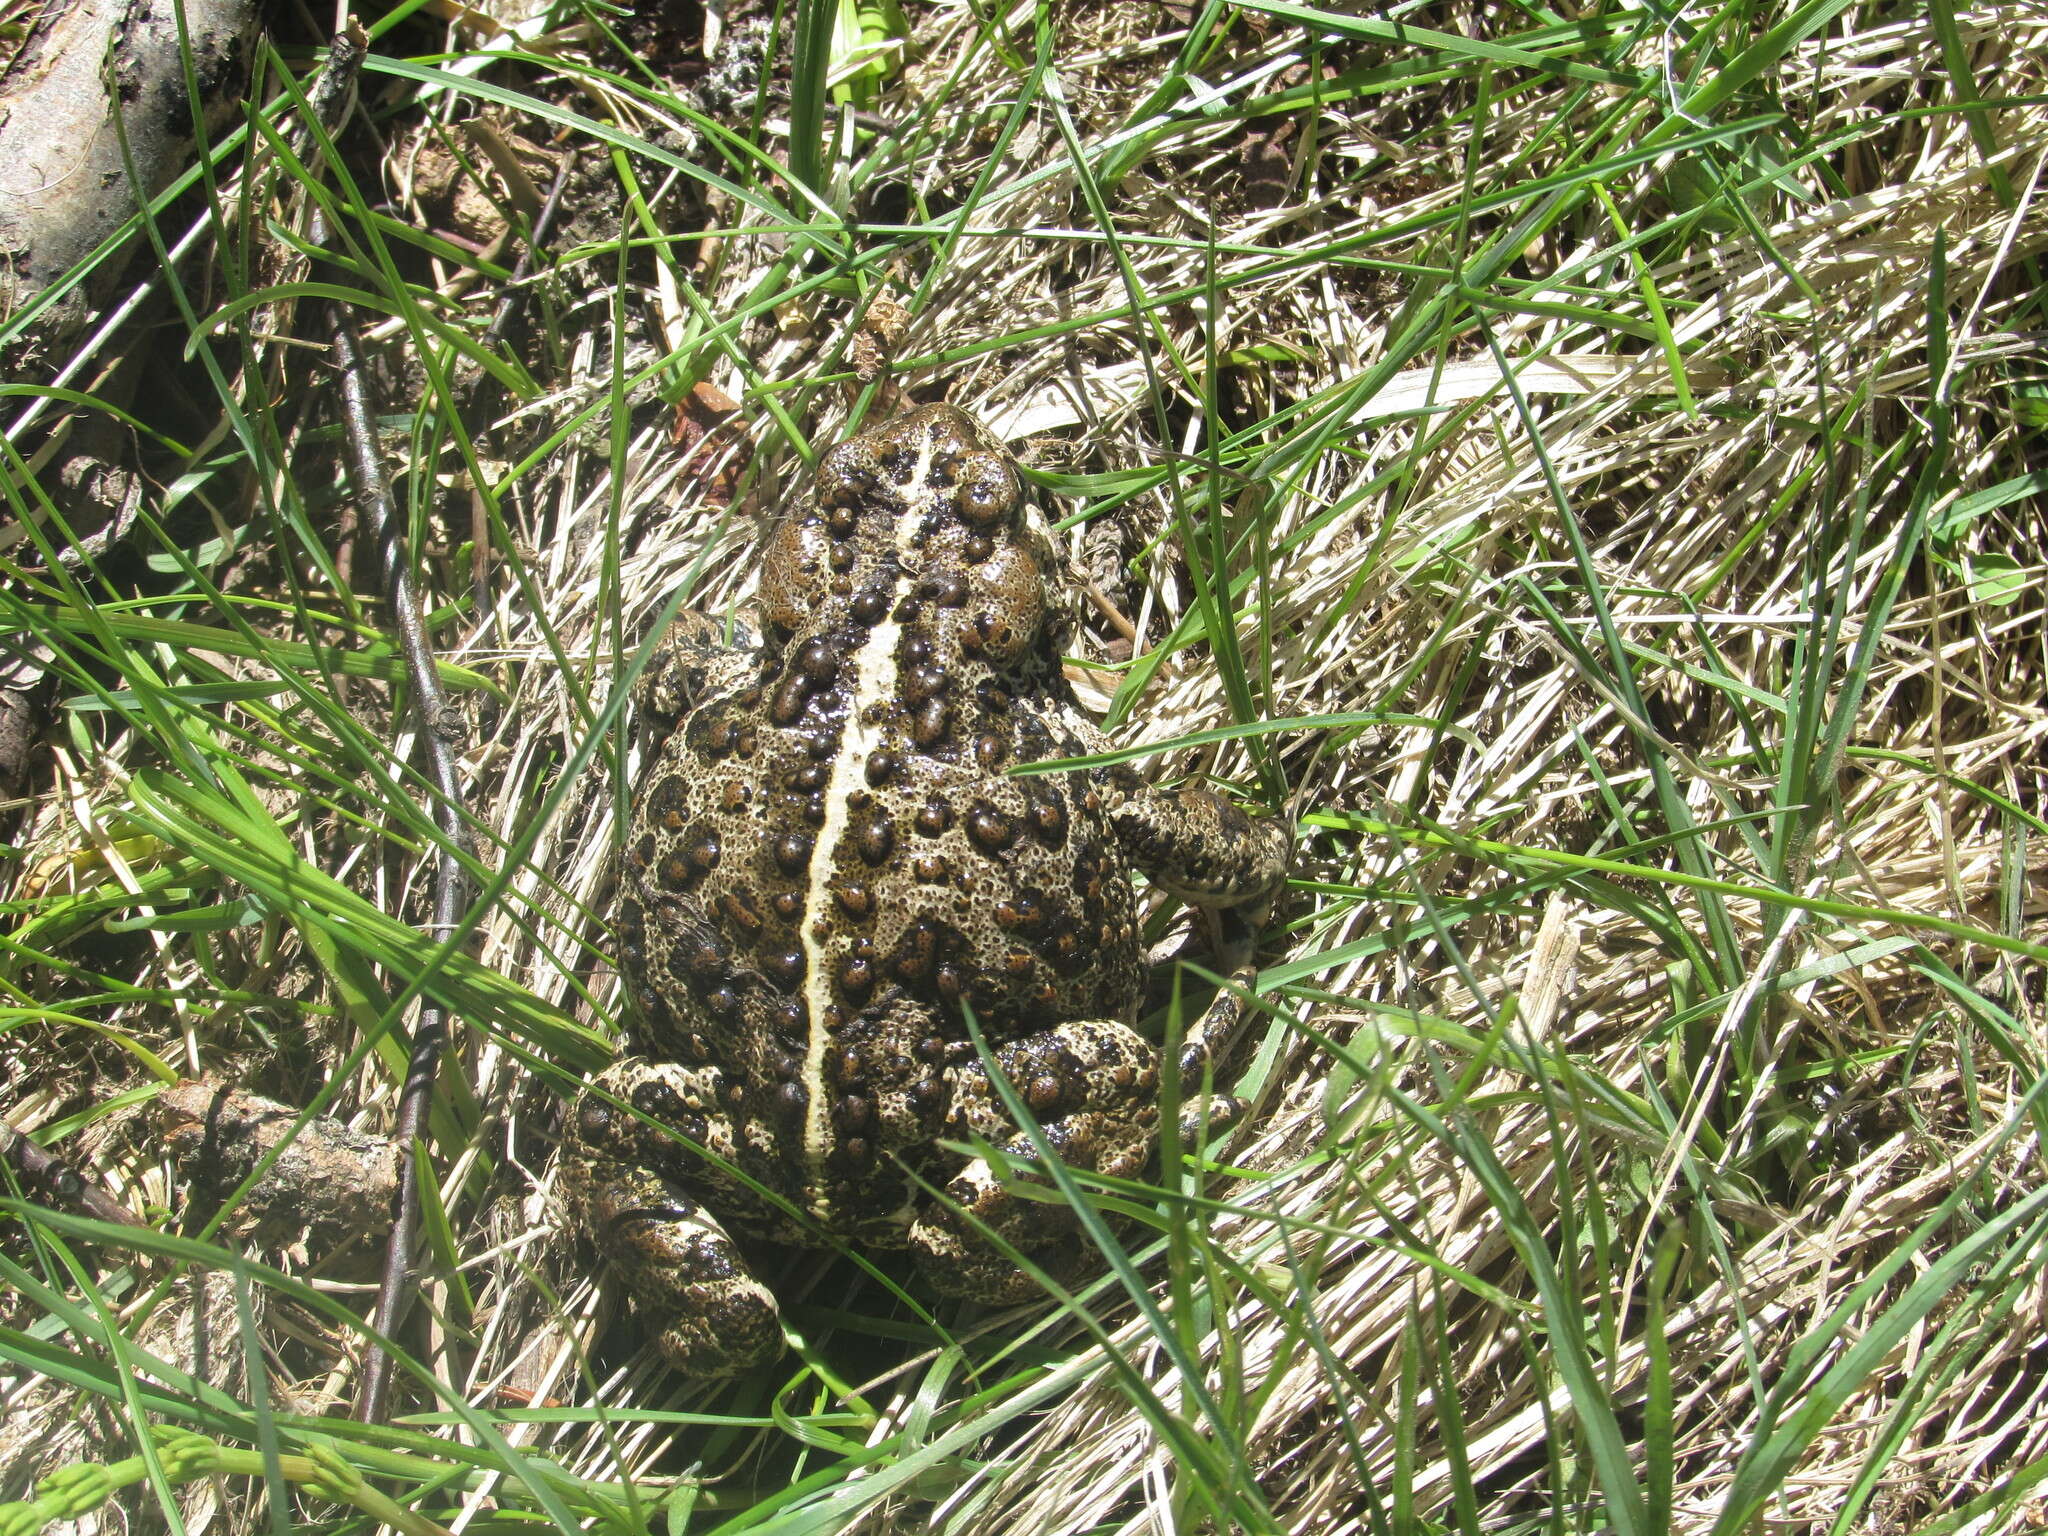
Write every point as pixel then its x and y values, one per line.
pixel 1650 1088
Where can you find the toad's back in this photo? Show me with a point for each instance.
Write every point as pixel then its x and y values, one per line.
pixel 830 860
pixel 829 871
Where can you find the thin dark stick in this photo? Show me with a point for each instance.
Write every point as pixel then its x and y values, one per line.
pixel 515 291
pixel 45 1174
pixel 436 726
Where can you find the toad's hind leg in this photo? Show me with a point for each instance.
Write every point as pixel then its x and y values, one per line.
pixel 708 1313
pixel 691 1289
pixel 1093 1088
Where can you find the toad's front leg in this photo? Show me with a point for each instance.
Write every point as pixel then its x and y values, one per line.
pixel 1199 846
pixel 692 661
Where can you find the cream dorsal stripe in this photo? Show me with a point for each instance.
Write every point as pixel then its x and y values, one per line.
pixel 871 673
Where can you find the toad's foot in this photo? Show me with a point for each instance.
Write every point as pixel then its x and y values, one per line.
pixel 708 1313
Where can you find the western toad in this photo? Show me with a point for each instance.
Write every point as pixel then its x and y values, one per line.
pixel 827 862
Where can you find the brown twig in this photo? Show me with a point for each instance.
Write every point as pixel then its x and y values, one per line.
pixel 48 1175
pixel 435 722
pixel 437 727
pixel 515 290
